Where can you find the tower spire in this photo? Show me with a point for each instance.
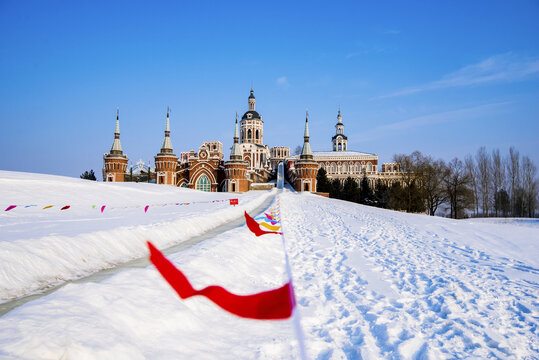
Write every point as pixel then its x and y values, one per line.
pixel 167 145
pixel 236 153
pixel 306 152
pixel 116 146
pixel 252 100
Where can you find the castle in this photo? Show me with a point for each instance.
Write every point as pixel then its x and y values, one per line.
pixel 251 162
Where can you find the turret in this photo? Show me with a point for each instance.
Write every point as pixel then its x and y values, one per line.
pixel 236 167
pixel 166 161
pixel 252 101
pixel 115 162
pixel 339 140
pixel 306 168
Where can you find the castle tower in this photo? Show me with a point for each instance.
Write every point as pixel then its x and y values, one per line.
pixel 236 168
pixel 251 125
pixel 306 167
pixel 166 161
pixel 339 140
pixel 115 162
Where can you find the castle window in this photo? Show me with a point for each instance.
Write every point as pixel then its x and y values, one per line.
pixel 345 168
pixel 340 147
pixel 369 167
pixel 333 168
pixel 203 183
pixel 249 135
pixel 357 168
pixel 256 134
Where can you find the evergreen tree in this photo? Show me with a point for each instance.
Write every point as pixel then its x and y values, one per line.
pixel 366 195
pixel 502 202
pixel 397 197
pixel 88 175
pixel 322 182
pixel 350 191
pixel 381 195
pixel 336 189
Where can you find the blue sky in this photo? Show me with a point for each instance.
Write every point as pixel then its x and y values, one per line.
pixel 442 78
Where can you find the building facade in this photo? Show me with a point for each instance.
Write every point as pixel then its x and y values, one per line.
pixel 251 161
pixel 341 163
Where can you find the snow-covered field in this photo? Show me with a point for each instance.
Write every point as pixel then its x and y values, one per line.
pixel 370 283
pixel 40 248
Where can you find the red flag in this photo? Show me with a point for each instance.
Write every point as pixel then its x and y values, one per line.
pixel 66 207
pixel 268 305
pixel 103 208
pixel 11 207
pixel 146 208
pixel 255 228
pixel 233 201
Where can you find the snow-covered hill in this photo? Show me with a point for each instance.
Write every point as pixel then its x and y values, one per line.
pixel 370 283
pixel 43 247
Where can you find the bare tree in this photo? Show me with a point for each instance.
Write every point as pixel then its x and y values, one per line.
pixel 298 150
pixel 484 167
pixel 529 182
pixel 433 186
pixel 472 173
pixel 498 176
pixel 411 178
pixel 513 173
pixel 457 181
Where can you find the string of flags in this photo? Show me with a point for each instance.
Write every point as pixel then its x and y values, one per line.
pixel 108 207
pixel 275 304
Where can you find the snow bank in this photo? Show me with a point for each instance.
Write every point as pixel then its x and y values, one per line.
pixel 40 248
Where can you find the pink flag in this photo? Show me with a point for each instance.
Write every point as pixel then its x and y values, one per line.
pixel 146 208
pixel 11 207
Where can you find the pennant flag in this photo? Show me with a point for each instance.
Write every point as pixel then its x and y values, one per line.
pixel 11 207
pixel 268 305
pixel 48 207
pixel 269 216
pixel 255 227
pixel 269 227
pixel 66 207
pixel 146 208
pixel 103 208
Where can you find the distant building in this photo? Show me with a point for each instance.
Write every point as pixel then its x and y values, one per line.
pixel 250 161
pixel 342 163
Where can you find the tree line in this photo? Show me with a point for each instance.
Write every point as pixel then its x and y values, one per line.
pixel 485 184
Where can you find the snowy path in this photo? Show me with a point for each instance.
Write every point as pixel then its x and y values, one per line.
pixel 377 284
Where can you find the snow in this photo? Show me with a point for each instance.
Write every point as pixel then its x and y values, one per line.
pixel 370 283
pixel 40 248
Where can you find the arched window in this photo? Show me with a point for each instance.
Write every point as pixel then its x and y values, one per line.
pixel 345 168
pixel 369 167
pixel 203 183
pixel 333 168
pixel 256 134
pixel 344 146
pixel 249 134
pixel 357 168
pixel 340 147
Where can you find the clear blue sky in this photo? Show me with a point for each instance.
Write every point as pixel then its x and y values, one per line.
pixel 442 78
